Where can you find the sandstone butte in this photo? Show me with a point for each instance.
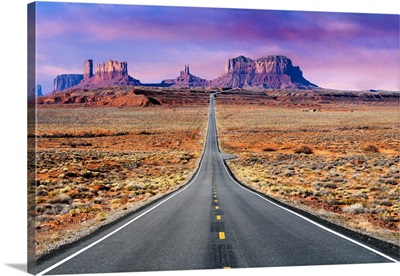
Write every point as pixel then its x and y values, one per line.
pixel 270 72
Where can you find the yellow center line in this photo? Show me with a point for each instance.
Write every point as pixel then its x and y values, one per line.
pixel 221 235
pixel 217 207
pixel 218 217
pixel 215 200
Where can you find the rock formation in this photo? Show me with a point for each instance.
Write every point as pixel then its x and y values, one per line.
pixel 65 81
pixel 88 69
pixel 39 92
pixel 111 69
pixel 110 73
pixel 185 79
pixel 270 72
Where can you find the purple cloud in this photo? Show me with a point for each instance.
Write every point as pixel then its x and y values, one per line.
pixel 155 40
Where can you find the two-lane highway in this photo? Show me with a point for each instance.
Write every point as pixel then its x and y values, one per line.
pixel 212 222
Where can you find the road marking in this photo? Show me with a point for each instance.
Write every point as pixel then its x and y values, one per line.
pixel 218 217
pixel 215 200
pixel 123 226
pixel 217 207
pixel 227 267
pixel 307 219
pixel 221 235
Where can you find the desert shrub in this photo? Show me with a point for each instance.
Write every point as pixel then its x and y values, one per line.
pixel 65 190
pixel 330 199
pixel 98 200
pixel 322 192
pixel 41 191
pixel 303 149
pixel 268 149
pixel 58 209
pixel 288 173
pixel 124 200
pixel 378 210
pixel 148 195
pixel 386 202
pixel 60 198
pixel 386 217
pixel 100 216
pixel 371 148
pixel 130 187
pixel 356 208
pixel 144 132
pixel 40 208
pixel 82 188
pixel 81 210
pixel 115 201
pixel 391 181
pixel 348 201
pixel 330 185
pixel 361 195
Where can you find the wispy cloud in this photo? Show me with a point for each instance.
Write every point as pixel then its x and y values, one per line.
pixel 155 40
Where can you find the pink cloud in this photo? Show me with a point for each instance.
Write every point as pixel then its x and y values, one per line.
pixel 158 41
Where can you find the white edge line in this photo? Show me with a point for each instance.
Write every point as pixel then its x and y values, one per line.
pixel 301 216
pixel 113 232
pixel 129 222
pixel 309 220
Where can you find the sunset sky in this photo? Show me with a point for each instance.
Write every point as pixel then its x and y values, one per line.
pixel 334 50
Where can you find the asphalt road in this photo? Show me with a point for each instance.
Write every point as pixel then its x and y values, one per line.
pixel 212 222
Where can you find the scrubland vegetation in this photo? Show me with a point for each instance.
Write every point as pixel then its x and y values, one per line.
pixel 96 164
pixel 340 164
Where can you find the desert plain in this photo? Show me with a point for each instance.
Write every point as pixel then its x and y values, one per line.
pixel 96 164
pixel 337 160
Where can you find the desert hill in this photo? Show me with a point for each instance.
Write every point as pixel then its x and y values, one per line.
pixel 125 96
pixel 98 97
pixel 175 96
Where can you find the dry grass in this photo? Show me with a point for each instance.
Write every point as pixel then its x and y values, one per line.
pixel 93 164
pixel 353 173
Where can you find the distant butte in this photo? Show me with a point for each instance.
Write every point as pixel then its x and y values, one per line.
pixel 110 73
pixel 270 72
pixel 186 79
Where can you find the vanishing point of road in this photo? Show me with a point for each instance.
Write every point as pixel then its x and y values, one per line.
pixel 211 222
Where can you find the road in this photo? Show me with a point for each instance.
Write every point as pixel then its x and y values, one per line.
pixel 212 222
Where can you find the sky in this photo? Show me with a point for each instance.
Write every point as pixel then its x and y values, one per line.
pixel 338 50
